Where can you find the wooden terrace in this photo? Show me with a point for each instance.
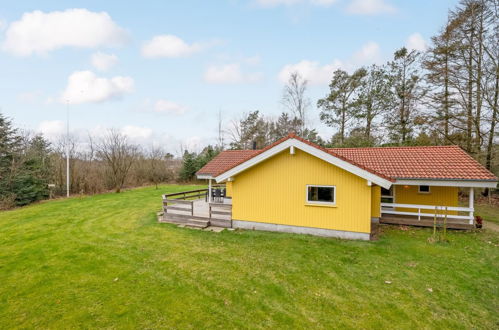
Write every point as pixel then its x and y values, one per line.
pixel 193 209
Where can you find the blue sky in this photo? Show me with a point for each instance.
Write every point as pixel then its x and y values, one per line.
pixel 161 70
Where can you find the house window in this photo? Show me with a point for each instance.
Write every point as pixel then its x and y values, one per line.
pixel 321 194
pixel 424 189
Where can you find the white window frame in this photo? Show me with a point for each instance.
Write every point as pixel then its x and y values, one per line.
pixel 424 192
pixel 318 202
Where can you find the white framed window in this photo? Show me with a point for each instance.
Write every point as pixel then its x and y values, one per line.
pixel 322 195
pixel 424 189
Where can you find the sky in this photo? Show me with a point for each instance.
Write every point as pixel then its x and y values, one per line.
pixel 162 71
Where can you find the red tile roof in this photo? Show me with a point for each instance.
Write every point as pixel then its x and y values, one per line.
pixel 441 162
pixel 225 160
pixel 432 162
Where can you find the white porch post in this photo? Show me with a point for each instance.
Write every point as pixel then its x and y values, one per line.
pixel 471 206
pixel 209 190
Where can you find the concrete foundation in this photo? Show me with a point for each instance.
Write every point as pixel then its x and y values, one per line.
pixel 299 230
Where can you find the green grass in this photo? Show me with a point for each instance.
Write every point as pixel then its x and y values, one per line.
pixel 104 262
pixel 488 212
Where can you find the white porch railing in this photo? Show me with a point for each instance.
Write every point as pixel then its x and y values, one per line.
pixel 439 211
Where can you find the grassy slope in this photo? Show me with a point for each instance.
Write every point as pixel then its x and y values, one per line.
pixel 104 261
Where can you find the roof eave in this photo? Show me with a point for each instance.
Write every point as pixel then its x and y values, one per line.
pixel 443 182
pixel 202 176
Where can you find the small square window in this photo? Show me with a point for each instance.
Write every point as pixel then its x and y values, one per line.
pixel 321 194
pixel 424 189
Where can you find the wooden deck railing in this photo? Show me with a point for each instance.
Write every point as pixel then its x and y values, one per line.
pixel 438 211
pixel 183 201
pixel 220 209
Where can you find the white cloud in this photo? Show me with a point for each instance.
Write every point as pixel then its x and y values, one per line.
pixel 86 87
pixel 102 61
pixel 274 3
pixel 169 107
pixel 416 42
pixel 3 24
pixel 368 54
pixel 312 71
pixel 169 46
pixel 39 32
pixel 51 129
pixel 230 74
pixel 370 7
pixel 318 74
pixel 137 132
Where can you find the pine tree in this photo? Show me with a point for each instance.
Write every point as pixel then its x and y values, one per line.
pixel 336 109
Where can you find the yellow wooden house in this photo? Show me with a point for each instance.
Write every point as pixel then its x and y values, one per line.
pixel 296 186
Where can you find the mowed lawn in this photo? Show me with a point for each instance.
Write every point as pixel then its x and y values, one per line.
pixel 105 262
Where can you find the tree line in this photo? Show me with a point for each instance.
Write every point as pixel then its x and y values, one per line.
pixel 33 169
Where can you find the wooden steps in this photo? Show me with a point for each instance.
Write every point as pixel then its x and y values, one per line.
pixel 185 220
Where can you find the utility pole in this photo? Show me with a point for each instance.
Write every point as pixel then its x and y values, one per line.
pixel 67 148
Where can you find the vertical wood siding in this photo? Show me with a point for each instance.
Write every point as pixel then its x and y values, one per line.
pixel 442 196
pixel 228 189
pixel 375 201
pixel 274 191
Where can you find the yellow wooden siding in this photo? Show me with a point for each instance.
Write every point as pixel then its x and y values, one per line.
pixel 441 196
pixel 228 189
pixel 274 191
pixel 375 201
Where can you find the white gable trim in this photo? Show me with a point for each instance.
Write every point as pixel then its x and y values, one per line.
pixel 204 176
pixel 447 183
pixel 310 150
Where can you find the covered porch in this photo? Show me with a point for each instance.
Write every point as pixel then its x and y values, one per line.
pixel 428 207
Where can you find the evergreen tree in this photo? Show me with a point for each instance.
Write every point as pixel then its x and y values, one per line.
pixel 406 85
pixel 338 106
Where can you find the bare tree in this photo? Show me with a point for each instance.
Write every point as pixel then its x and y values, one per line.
pixel 295 100
pixel 119 155
pixel 157 167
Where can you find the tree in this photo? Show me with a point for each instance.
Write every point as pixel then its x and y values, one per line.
pixel 440 96
pixel 337 107
pixel 491 76
pixel 119 155
pixel 295 100
pixel 252 128
pixel 192 162
pixel 156 164
pixel 406 85
pixel 284 125
pixel 375 97
pixel 25 167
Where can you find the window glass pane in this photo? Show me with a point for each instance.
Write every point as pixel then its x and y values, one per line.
pixel 321 194
pixel 424 188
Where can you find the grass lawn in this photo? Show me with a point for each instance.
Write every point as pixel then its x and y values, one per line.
pixel 104 261
pixel 488 212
